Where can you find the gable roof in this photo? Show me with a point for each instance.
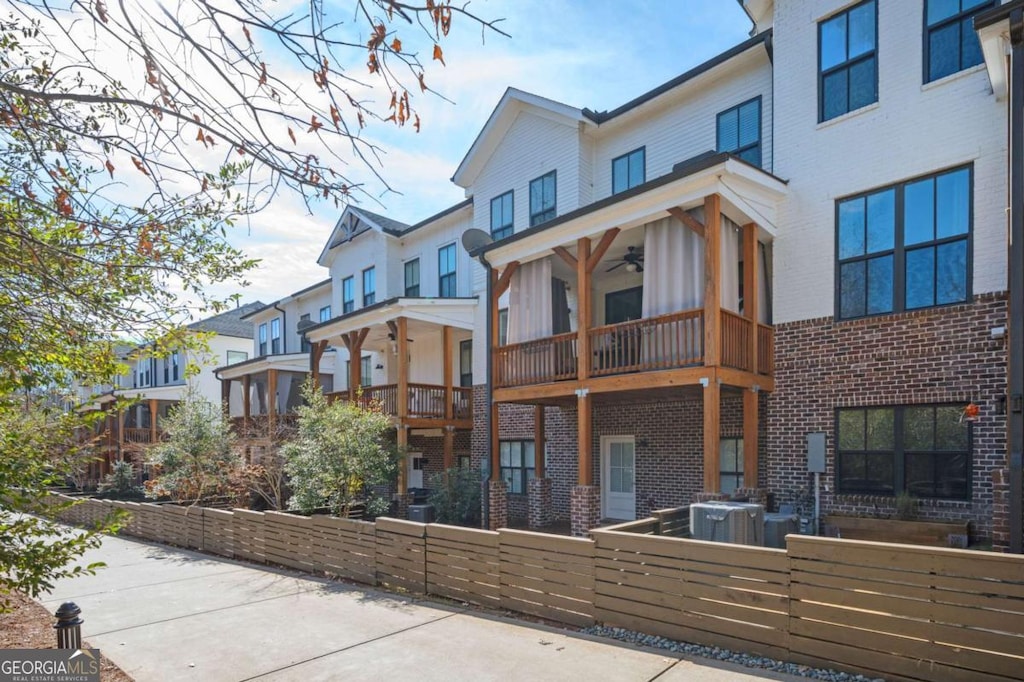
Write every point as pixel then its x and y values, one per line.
pixel 387 225
pixel 498 124
pixel 229 323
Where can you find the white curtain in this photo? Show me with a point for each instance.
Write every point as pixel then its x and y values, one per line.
pixel 731 247
pixel 284 389
pixel 673 267
pixel 529 306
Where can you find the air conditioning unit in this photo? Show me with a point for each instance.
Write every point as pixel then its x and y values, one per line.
pixel 777 527
pixel 736 522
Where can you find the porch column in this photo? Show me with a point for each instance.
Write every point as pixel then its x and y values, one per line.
pixel 316 353
pixel 354 343
pixel 583 315
pixel 539 487
pixel 538 440
pixel 271 402
pixel 712 463
pixel 751 304
pixel 712 283
pixel 402 440
pixel 246 400
pixel 446 364
pixel 225 396
pixel 585 500
pixel 120 433
pixel 152 419
pixel 750 444
pixel 449 446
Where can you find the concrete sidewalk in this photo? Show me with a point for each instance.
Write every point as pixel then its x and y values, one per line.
pixel 164 614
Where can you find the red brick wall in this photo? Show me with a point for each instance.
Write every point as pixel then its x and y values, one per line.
pixel 929 356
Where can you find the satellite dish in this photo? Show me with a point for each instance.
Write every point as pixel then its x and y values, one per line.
pixel 303 325
pixel 474 239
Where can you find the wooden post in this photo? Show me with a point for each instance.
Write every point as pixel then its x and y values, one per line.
pixel 152 419
pixel 316 353
pixel 712 281
pixel 402 339
pixel 120 434
pixel 225 395
pixel 750 418
pixel 271 401
pixel 449 406
pixel 449 447
pixel 712 456
pixel 492 319
pixel 583 438
pixel 538 440
pixel 246 400
pixel 751 277
pixel 495 444
pixel 583 303
pixel 402 439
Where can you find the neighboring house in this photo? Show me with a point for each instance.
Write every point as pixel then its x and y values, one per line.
pixel 263 391
pixel 158 384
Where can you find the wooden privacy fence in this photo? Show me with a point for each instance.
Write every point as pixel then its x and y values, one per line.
pixel 898 611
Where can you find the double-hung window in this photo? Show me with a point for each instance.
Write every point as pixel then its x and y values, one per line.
pixel 263 338
pixel 303 341
pixel 325 313
pixel 629 170
pixel 923 450
pixel 739 131
pixel 369 286
pixel 446 284
pixel 518 464
pixel 501 216
pixel 275 336
pixel 847 61
pixel 503 326
pixel 731 464
pixel 174 365
pixel 412 278
pixel 542 199
pixel 950 43
pixel 905 247
pixel 365 371
pixel 348 295
pixel 466 363
pixel 167 370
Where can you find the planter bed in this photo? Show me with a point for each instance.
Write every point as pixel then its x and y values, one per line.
pixel 931 533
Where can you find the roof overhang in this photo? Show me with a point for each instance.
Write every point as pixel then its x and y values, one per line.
pixel 993 28
pixel 290 362
pixel 314 288
pixel 174 392
pixel 427 312
pixel 749 195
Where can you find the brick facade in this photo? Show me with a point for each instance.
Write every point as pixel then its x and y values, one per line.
pixel 929 356
pixel 498 501
pixel 539 502
pixel 586 508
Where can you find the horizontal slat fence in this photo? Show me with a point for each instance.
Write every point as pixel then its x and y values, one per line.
pixel 895 611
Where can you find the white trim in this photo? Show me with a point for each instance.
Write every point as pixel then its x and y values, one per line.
pixel 605 477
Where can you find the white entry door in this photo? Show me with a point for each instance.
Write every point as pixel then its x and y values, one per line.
pixel 415 479
pixel 618 485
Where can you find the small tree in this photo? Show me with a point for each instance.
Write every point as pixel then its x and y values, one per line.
pixel 340 452
pixel 267 482
pixel 455 494
pixel 120 482
pixel 197 463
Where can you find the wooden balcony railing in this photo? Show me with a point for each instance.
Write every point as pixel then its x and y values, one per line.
pixel 653 343
pixel 137 435
pixel 386 395
pixel 736 331
pixel 552 358
pixel 258 426
pixel 463 403
pixel 426 401
pixel 765 349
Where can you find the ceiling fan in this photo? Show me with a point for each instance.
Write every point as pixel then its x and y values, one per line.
pixel 633 259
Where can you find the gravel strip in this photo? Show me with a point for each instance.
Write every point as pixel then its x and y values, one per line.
pixel 719 654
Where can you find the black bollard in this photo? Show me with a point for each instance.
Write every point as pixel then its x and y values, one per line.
pixel 69 626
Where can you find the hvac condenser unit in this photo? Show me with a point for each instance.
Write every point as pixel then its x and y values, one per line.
pixel 740 523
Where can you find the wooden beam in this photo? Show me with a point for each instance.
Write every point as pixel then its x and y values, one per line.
pixel 602 248
pixel 449 447
pixel 361 337
pixel 246 399
pixel 120 434
pixel 505 280
pixel 152 419
pixel 751 304
pixel 741 379
pixel 402 441
pixel 712 279
pixel 316 354
pixel 271 402
pixel 347 340
pixel 564 254
pixel 686 219
pixel 583 296
pixel 402 331
pixel 712 456
pixel 492 322
pixel 584 439
pixel 446 364
pixel 750 444
pixel 538 440
pixel 225 395
pixel 436 423
pixel 392 328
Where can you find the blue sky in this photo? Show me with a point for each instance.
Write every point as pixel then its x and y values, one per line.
pixel 586 53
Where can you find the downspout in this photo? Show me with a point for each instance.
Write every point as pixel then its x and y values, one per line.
pixel 1015 378
pixel 284 329
pixel 488 395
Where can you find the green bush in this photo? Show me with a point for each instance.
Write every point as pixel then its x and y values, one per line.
pixel 120 483
pixel 455 494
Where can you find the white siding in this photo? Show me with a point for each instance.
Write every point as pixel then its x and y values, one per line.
pixel 424 244
pixel 914 129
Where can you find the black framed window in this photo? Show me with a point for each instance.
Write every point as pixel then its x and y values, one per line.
pixel 446 268
pixel 629 170
pixel 369 286
pixel 739 131
pixel 542 198
pixel 950 42
pixel 518 464
pixel 466 363
pixel 905 247
pixel 175 361
pixel 502 215
pixel 234 356
pixel 275 336
pixel 923 450
pixel 348 295
pixel 263 338
pixel 503 326
pixel 325 313
pixel 412 278
pixel 730 475
pixel 847 61
pixel 303 341
pixel 167 370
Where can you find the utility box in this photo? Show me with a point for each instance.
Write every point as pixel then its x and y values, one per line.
pixel 777 527
pixel 421 513
pixel 816 453
pixel 736 522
